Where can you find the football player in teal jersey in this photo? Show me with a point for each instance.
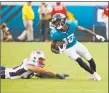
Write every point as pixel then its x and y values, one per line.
pixel 63 30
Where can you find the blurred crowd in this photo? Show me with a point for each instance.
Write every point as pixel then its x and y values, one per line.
pixel 45 11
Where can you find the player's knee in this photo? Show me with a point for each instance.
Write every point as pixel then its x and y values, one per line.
pixel 87 56
pixel 74 57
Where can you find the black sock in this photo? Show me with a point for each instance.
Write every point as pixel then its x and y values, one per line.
pixel 84 65
pixel 92 64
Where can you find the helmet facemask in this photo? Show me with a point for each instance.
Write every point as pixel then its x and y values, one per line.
pixel 41 62
pixel 58 24
pixel 58 20
pixel 39 57
pixel 36 55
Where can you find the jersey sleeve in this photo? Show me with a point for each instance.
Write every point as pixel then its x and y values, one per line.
pixel 73 24
pixel 53 35
pixel 31 62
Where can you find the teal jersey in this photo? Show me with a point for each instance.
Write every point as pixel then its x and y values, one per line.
pixel 68 36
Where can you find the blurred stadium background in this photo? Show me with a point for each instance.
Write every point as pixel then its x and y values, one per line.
pixel 88 14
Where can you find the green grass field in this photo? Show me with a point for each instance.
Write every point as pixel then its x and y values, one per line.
pixel 12 54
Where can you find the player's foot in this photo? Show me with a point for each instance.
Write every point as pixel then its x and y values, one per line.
pixel 96 76
pixel 91 77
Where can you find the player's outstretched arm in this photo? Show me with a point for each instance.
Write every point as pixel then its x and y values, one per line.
pixel 47 76
pixel 82 29
pixel 44 71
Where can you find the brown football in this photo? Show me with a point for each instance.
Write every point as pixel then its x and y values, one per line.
pixel 59 43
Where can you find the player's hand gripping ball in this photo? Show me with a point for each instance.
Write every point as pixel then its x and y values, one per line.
pixel 59 43
pixel 55 46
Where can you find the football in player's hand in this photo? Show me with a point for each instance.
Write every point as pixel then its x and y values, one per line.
pixel 59 43
pixel 55 46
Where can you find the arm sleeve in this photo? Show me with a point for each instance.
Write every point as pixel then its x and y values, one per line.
pixel 31 62
pixel 54 34
pixel 74 24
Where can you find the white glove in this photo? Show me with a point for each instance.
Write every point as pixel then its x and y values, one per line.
pixel 100 38
pixel 61 50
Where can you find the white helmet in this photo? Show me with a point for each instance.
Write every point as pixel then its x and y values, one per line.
pixel 37 54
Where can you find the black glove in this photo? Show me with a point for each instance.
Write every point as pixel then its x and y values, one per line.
pixel 63 76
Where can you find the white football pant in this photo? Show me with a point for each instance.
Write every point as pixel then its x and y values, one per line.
pixel 77 51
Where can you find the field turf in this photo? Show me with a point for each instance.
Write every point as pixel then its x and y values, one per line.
pixel 13 53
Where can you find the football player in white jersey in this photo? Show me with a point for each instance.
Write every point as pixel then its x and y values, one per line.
pixel 29 66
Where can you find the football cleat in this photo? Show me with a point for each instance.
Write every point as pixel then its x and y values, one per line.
pixel 95 76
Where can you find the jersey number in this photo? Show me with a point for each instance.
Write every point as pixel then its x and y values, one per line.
pixel 69 39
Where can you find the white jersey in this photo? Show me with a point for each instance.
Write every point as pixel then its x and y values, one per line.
pixel 9 73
